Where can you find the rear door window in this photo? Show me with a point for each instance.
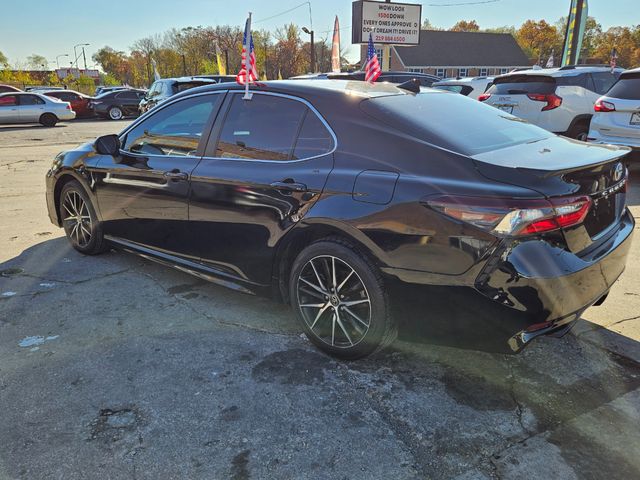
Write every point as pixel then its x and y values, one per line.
pixel 31 100
pixel 627 88
pixel 523 85
pixel 264 128
pixel 573 81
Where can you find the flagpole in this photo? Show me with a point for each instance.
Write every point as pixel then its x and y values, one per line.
pixel 247 60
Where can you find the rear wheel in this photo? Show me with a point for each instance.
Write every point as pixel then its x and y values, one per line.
pixel 48 120
pixel 80 221
pixel 115 113
pixel 340 300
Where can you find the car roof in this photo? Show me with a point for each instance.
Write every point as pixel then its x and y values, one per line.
pixel 303 88
pixel 465 80
pixel 187 80
pixel 567 71
pixel 631 71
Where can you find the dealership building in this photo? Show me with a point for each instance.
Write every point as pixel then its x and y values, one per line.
pixel 451 54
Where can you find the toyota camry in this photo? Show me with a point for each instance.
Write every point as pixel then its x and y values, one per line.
pixel 334 195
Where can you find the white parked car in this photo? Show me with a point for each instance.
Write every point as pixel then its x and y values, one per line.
pixel 471 87
pixel 617 114
pixel 26 107
pixel 560 100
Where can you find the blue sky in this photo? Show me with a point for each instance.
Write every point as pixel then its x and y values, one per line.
pixel 118 23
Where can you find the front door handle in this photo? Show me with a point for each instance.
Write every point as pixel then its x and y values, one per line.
pixel 289 186
pixel 176 175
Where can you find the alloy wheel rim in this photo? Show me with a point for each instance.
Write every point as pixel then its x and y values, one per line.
pixel 77 219
pixel 334 302
pixel 115 113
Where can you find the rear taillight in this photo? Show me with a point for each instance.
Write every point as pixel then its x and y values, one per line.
pixel 602 106
pixel 552 100
pixel 484 97
pixel 513 217
pixel 68 106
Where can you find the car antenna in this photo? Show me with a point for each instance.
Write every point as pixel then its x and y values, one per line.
pixel 412 85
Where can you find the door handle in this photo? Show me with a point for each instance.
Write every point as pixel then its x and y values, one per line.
pixel 289 186
pixel 176 175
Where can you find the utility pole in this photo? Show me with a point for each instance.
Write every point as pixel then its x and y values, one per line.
pixel 84 57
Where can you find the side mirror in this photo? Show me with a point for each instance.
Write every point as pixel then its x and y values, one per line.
pixel 108 145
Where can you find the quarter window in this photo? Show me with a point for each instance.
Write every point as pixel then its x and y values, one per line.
pixel 263 128
pixel 174 130
pixel 314 138
pixel 604 81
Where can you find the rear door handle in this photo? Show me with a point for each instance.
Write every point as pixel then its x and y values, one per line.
pixel 289 186
pixel 176 175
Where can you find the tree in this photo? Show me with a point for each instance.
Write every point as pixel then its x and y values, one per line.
pixel 506 29
pixel 465 26
pixel 592 31
pixel 624 40
pixel 4 61
pixel 37 62
pixel 538 39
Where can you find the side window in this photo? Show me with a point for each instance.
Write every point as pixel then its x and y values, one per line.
pixel 573 81
pixel 264 128
pixel 155 89
pixel 30 100
pixel 314 138
pixel 174 130
pixel 8 101
pixel 127 96
pixel 603 81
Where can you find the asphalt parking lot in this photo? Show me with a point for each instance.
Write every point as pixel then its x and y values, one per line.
pixel 115 367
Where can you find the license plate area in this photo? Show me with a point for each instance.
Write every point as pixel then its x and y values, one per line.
pixel 505 108
pixel 635 119
pixel 604 212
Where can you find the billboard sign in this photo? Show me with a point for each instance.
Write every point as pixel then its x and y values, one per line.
pixel 388 23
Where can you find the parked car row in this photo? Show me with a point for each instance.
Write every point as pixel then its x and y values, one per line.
pixel 28 107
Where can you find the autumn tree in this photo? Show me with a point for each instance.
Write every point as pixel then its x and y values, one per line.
pixel 626 42
pixel 538 39
pixel 466 26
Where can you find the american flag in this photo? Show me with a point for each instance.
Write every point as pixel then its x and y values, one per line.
pixel 372 67
pixel 241 78
pixel 614 59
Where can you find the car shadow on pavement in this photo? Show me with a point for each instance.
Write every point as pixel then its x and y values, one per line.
pixel 120 366
pixel 28 126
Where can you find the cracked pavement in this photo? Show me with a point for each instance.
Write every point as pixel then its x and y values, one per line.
pixel 134 370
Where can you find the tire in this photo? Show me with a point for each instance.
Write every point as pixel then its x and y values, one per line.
pixel 48 120
pixel 580 131
pixel 80 221
pixel 351 321
pixel 115 113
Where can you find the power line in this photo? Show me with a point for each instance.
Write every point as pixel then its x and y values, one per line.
pixel 285 12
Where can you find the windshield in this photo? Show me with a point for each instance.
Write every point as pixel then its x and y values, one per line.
pixel 454 122
pixel 522 85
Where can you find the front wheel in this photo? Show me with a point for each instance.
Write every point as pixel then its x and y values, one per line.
pixel 80 221
pixel 340 300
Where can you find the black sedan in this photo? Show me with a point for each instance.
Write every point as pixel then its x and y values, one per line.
pixel 340 197
pixel 118 104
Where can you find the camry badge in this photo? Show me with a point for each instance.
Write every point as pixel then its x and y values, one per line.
pixel 618 172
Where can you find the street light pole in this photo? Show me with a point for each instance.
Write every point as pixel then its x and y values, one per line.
pixel 75 54
pixel 57 58
pixel 313 49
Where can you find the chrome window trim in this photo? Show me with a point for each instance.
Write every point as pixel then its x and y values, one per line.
pixel 298 99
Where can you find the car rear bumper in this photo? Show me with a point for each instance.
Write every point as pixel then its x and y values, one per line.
pixel 598 137
pixel 524 290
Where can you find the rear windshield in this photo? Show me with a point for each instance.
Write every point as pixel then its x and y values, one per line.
pixel 523 84
pixel 182 86
pixel 454 122
pixel 627 88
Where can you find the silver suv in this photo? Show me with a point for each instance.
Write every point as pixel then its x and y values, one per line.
pixel 560 100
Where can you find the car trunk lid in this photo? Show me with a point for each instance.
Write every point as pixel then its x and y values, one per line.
pixel 560 167
pixel 521 95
